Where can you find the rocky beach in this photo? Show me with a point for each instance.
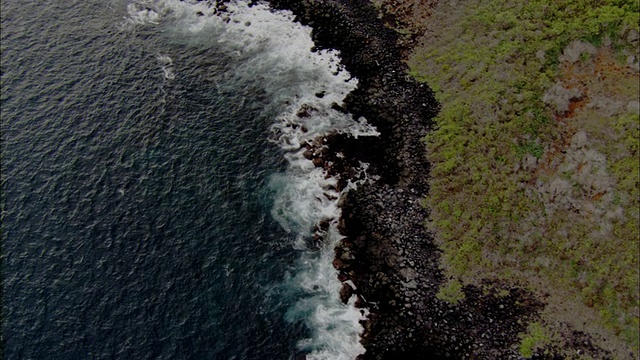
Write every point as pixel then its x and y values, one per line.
pixel 388 253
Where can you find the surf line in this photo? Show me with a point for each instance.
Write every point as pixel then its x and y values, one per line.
pixel 270 49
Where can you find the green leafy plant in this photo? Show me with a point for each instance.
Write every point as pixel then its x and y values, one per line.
pixel 451 292
pixel 536 337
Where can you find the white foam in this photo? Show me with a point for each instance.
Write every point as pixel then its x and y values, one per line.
pixel 139 14
pixel 166 64
pixel 270 49
pixel 335 326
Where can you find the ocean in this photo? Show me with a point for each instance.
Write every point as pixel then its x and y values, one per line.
pixel 156 200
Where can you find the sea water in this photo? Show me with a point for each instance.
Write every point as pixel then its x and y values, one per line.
pixel 156 202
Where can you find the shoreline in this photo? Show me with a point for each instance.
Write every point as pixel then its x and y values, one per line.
pixel 387 252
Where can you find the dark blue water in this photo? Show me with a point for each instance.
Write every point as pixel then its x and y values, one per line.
pixel 136 219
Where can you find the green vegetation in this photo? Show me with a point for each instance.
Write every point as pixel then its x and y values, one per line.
pixel 535 172
pixel 451 292
pixel 536 337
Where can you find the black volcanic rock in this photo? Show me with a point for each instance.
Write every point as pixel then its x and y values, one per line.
pixel 391 258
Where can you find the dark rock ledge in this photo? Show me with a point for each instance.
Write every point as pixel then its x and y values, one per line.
pixel 387 252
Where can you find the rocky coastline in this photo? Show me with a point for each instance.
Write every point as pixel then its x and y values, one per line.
pixel 387 252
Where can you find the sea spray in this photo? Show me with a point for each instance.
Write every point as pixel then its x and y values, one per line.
pixel 269 51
